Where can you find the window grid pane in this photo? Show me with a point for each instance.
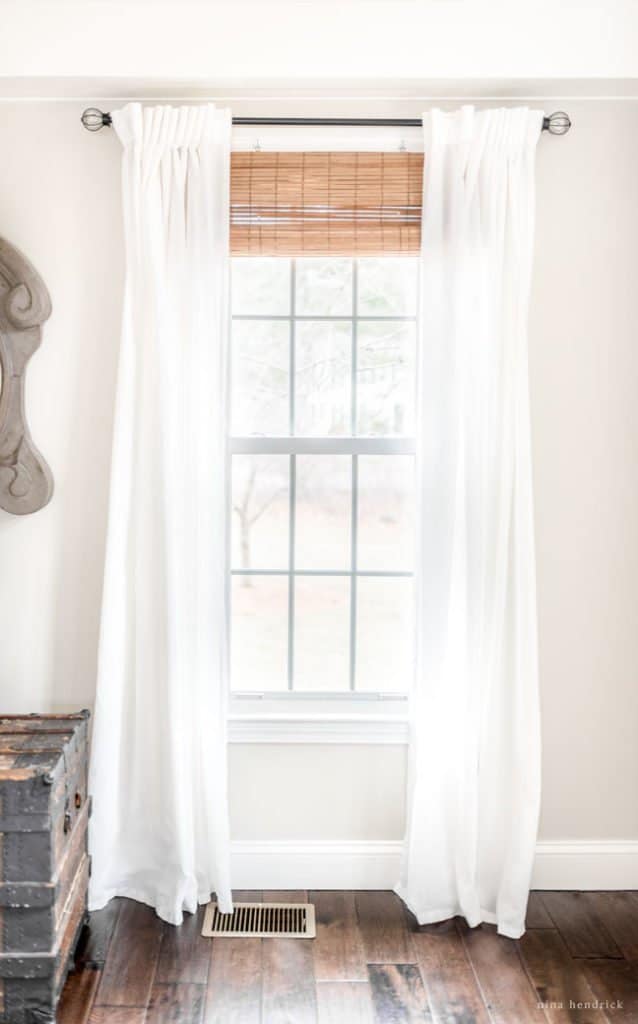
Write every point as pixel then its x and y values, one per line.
pixel 291 572
pixel 355 469
pixel 377 445
pixel 353 585
pixel 293 483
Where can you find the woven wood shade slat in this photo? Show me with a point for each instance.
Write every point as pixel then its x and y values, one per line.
pixel 325 204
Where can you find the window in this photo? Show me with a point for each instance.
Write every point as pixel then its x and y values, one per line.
pixel 322 464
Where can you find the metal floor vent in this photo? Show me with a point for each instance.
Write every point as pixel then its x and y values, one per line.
pixel 261 920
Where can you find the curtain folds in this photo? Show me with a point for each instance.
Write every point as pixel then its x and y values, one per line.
pixel 475 752
pixel 160 833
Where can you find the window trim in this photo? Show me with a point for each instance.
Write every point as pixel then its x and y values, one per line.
pixel 303 717
pixel 286 445
pixel 317 727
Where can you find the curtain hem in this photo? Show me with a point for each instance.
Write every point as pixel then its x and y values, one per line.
pixel 433 916
pixel 163 908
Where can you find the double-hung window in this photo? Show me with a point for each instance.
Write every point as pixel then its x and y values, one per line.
pixel 322 463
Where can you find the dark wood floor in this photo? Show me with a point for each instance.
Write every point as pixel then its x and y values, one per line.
pixel 370 964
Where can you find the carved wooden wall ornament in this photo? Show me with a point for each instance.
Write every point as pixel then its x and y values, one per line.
pixel 26 483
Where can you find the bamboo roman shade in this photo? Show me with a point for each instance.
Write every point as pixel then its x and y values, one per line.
pixel 317 204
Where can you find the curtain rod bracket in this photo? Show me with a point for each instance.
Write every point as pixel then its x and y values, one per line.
pixel 557 123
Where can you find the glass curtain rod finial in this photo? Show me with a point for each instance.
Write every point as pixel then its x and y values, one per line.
pixel 94 119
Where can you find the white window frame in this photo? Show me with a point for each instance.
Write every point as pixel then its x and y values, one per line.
pixel 293 716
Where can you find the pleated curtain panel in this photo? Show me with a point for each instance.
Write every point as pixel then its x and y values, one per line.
pixel 475 750
pixel 160 828
pixel 159 832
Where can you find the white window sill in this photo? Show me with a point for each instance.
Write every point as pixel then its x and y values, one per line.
pixel 317 728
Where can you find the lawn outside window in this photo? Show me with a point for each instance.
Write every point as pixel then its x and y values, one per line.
pixel 322 462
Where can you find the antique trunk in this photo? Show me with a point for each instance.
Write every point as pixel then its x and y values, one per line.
pixel 44 863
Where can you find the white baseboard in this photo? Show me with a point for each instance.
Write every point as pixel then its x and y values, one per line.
pixel 586 864
pixel 354 864
pixel 315 864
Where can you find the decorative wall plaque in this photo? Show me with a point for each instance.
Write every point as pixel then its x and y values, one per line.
pixel 26 483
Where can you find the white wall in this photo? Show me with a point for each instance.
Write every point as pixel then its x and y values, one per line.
pixel 584 378
pixel 59 201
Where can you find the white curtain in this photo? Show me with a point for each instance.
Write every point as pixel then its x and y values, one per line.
pixel 475 750
pixel 159 832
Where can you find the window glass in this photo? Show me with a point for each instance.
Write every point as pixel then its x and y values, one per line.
pixel 387 287
pixel 260 377
pixel 322 633
pixel 323 287
pixel 259 633
pixel 385 378
pixel 384 634
pixel 385 512
pixel 323 489
pixel 261 286
pixel 323 378
pixel 260 512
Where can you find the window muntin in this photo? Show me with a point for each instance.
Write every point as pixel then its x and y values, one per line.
pixel 322 464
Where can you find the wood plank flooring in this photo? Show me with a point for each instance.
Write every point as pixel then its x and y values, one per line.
pixel 370 964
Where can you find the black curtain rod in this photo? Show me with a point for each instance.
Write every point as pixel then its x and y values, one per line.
pixel 557 123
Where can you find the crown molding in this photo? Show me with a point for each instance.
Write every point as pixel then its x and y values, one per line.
pixel 294 91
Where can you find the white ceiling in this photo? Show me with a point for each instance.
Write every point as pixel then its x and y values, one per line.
pixel 333 43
